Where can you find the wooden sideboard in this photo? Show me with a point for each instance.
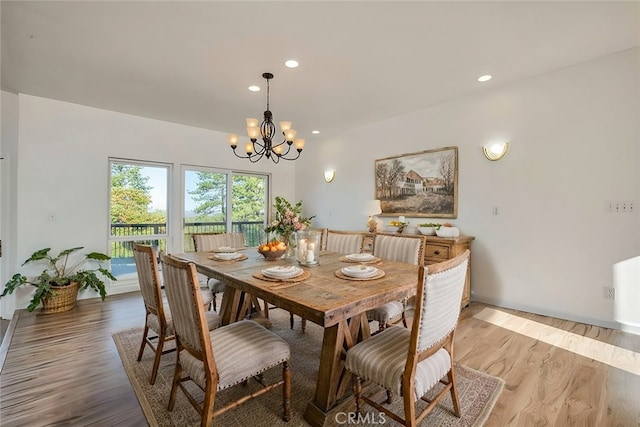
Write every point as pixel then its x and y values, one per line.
pixel 438 249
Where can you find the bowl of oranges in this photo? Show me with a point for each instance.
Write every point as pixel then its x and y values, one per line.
pixel 273 250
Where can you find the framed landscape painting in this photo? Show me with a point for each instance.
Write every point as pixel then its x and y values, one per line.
pixel 423 184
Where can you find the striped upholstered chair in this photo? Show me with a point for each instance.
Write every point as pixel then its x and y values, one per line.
pixel 220 359
pixel 157 317
pixel 407 248
pixel 410 363
pixel 207 242
pixel 344 242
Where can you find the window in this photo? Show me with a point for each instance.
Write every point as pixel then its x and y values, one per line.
pixel 208 195
pixel 138 211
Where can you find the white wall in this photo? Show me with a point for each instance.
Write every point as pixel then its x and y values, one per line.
pixel 574 145
pixel 8 151
pixel 62 172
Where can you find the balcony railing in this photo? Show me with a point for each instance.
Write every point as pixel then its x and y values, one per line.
pixel 122 261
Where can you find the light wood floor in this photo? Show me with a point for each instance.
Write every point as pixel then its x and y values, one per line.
pixel 64 369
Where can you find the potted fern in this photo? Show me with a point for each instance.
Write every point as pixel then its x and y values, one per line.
pixel 58 285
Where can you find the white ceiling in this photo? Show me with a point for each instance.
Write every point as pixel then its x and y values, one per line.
pixel 361 62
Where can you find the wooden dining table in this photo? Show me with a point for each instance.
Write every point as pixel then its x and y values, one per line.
pixel 336 303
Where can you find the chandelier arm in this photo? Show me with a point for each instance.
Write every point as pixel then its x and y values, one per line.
pixel 293 158
pixel 255 157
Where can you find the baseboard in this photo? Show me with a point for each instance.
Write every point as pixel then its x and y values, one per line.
pixel 8 336
pixel 537 310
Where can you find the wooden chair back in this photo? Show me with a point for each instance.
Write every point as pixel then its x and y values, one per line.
pixel 149 279
pixel 183 294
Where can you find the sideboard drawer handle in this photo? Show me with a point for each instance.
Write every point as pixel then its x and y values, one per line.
pixel 436 252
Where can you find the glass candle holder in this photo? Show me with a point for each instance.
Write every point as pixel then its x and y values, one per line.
pixel 307 247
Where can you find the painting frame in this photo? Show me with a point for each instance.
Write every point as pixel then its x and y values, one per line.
pixel 420 184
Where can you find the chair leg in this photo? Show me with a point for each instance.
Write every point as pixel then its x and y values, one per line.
pixel 207 407
pixel 382 326
pixel 286 391
pixel 303 324
pixel 357 392
pixel 454 393
pixel 290 320
pixel 177 373
pixel 409 410
pixel 215 305
pixel 156 359
pixel 144 341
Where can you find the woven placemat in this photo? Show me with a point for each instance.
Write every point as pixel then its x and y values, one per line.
pixel 375 260
pixel 378 275
pixel 242 257
pixel 304 276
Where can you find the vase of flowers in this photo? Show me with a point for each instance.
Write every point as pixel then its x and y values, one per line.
pixel 287 220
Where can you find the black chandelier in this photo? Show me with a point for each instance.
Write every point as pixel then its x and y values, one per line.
pixel 256 149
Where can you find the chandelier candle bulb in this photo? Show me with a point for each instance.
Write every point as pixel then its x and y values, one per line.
pixel 248 147
pixel 290 135
pixel 284 126
pixel 253 132
pixel 233 140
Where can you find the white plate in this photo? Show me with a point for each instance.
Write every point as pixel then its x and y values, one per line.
pixel 359 271
pixel 282 272
pixel 360 257
pixel 224 249
pixel 227 255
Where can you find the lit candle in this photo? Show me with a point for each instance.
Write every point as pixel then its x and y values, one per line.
pixel 302 250
pixel 311 246
pixel 310 256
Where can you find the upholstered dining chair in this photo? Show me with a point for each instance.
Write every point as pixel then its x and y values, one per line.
pixel 410 363
pixel 157 314
pixel 220 359
pixel 207 242
pixel 407 248
pixel 344 242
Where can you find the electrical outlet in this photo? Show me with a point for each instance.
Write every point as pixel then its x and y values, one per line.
pixel 620 206
pixel 494 211
pixel 609 292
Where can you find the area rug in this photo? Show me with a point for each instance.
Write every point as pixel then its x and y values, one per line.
pixel 478 391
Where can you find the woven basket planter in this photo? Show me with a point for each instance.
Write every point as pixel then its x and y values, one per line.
pixel 64 299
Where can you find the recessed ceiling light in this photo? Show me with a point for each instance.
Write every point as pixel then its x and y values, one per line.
pixel 315 132
pixel 291 63
pixel 254 88
pixel 484 78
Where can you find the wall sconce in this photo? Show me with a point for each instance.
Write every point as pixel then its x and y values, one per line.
pixel 495 151
pixel 329 175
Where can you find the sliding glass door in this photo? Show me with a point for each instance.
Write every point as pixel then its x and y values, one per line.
pixel 138 209
pixel 221 201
